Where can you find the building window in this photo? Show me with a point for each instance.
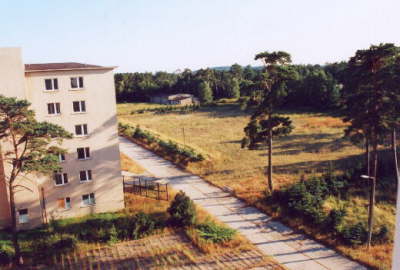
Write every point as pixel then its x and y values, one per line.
pixel 23 216
pixel 64 203
pixel 53 108
pixel 81 130
pixel 79 106
pixel 61 157
pixel 51 84
pixel 83 153
pixel 60 179
pixel 76 82
pixel 88 199
pixel 85 176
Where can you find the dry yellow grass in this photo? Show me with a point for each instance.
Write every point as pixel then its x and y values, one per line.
pixel 127 164
pixel 315 144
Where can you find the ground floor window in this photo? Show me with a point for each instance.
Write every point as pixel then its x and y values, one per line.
pixel 88 199
pixel 23 216
pixel 64 203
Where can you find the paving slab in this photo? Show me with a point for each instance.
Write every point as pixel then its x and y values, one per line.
pixel 293 250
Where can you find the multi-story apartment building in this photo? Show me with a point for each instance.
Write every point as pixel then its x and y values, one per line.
pixel 80 98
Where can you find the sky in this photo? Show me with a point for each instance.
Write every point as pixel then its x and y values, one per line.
pixel 171 35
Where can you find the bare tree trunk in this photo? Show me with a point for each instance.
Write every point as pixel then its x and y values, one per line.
pixel 367 157
pixel 372 193
pixel 394 149
pixel 17 258
pixel 270 184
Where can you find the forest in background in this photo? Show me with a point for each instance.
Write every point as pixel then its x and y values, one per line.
pixel 314 86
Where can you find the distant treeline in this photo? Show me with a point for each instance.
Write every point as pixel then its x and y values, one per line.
pixel 315 86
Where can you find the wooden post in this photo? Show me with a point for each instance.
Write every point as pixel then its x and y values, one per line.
pixel 158 191
pixel 145 186
pixel 44 206
pixel 123 189
pixel 166 189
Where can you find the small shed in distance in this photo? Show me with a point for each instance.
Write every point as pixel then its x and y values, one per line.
pixel 176 99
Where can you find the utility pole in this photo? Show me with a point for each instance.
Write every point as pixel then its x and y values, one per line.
pixel 184 137
pixel 396 250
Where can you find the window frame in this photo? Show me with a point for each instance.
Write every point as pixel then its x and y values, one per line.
pixel 61 158
pixel 86 153
pixel 66 202
pixel 79 83
pixel 53 84
pixel 83 129
pixel 88 176
pixel 81 106
pixel 21 220
pixel 55 107
pixel 91 199
pixel 64 178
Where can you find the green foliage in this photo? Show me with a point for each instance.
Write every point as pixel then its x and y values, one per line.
pixel 169 109
pixel 6 254
pixel 215 233
pixel 335 219
pixel 233 89
pixel 355 234
pixel 48 245
pixel 182 210
pixel 169 147
pixel 20 129
pixel 204 92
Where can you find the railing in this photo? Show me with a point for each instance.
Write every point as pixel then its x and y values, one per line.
pixel 150 187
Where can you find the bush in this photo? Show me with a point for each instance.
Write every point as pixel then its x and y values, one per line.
pixel 182 210
pixel 335 218
pixel 168 147
pixel 381 236
pixel 6 254
pixel 143 226
pixel 65 244
pixel 43 248
pixel 355 234
pixel 215 233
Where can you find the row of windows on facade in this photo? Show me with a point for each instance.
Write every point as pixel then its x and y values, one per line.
pixel 54 108
pixel 52 84
pixel 62 204
pixel 82 153
pixel 62 178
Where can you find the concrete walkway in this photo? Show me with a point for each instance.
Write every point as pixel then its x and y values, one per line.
pixel 292 250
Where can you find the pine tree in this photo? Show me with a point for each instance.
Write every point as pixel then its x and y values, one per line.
pixel 265 122
pixel 204 92
pixel 367 106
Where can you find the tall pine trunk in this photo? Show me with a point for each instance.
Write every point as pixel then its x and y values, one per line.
pixel 394 149
pixel 270 184
pixel 14 232
pixel 372 192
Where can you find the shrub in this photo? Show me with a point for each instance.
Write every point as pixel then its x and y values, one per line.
pixel 305 200
pixel 182 210
pixel 381 236
pixel 215 233
pixel 6 254
pixel 335 218
pixel 65 244
pixel 144 225
pixel 355 234
pixel 168 147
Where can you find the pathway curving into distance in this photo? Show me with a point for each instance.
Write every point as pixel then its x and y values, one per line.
pixel 294 251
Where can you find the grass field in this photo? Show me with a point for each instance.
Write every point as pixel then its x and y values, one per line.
pixel 315 145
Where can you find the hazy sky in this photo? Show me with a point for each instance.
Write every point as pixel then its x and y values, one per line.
pixel 145 35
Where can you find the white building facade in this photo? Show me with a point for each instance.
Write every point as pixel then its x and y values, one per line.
pixel 81 99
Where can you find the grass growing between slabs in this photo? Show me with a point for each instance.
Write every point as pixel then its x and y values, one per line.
pixel 315 145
